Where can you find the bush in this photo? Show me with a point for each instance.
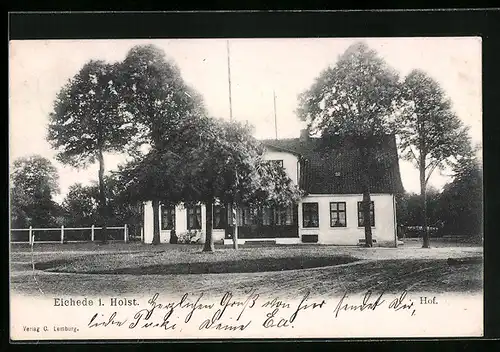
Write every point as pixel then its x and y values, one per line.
pixel 191 236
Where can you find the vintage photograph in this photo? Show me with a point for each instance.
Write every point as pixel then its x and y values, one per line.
pixel 245 188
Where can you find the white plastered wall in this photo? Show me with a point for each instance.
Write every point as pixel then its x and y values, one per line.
pixel 384 231
pixel 180 224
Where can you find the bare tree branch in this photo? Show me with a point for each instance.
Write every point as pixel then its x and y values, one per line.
pixel 435 164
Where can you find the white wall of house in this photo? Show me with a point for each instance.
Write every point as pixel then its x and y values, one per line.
pixel 180 224
pixel 384 231
pixel 290 162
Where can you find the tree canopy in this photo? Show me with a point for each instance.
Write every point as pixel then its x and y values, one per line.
pixel 461 200
pixel 355 97
pixel 81 205
pixel 431 134
pixel 89 120
pixel 89 117
pixel 158 99
pixel 155 94
pixel 34 182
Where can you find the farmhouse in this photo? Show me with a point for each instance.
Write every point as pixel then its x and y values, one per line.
pixel 329 213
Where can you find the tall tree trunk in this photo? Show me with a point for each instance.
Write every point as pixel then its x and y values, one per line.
pixel 235 225
pixel 103 207
pixel 423 195
pixel 209 241
pixel 156 222
pixel 365 180
pixel 231 226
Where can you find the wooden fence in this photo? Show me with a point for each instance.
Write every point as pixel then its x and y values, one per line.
pixel 64 232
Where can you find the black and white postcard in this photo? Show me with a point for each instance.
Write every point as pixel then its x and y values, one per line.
pixel 245 188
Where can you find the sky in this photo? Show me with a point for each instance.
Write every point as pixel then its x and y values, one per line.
pixel 259 68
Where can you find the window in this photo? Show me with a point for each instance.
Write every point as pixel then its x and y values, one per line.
pixel 167 217
pixel 194 217
pixel 244 216
pixel 255 216
pixel 267 215
pixel 361 218
pixel 220 217
pixel 337 214
pixel 283 216
pixel 276 162
pixel 310 217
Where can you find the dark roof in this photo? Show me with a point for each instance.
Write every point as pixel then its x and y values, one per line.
pixel 334 167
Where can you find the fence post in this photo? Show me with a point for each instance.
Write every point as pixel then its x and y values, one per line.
pixel 62 233
pixel 31 239
pixel 142 234
pixel 125 233
pixel 92 233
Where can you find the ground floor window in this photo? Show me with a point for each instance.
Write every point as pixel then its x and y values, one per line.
pixel 338 214
pixel 194 217
pixel 243 216
pixel 361 216
pixel 220 217
pixel 283 216
pixel 266 216
pixel 310 215
pixel 167 217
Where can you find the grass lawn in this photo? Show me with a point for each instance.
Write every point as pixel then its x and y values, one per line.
pixel 86 269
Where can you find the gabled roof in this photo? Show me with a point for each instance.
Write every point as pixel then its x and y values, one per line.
pixel 334 167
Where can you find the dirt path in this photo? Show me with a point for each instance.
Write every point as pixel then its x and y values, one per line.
pixel 380 269
pixel 390 276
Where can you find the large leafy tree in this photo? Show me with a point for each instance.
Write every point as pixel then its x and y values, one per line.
pixel 82 201
pixel 356 99
pixel 156 177
pixel 81 205
pixel 89 120
pixel 159 101
pixel 34 182
pixel 431 134
pixel 123 209
pixel 461 201
pixel 409 211
pixel 228 165
pixel 156 96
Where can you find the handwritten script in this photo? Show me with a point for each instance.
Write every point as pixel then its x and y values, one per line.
pixel 230 313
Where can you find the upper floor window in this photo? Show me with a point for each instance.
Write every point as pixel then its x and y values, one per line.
pixel 310 215
pixel 338 214
pixel 361 216
pixel 167 217
pixel 194 217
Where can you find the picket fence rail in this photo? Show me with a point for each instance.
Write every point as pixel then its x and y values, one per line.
pixel 62 229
